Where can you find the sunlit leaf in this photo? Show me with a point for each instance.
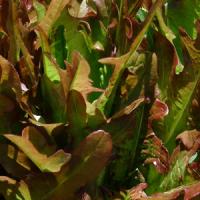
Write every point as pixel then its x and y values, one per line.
pixel 188 138
pixel 53 12
pixel 177 172
pixel 11 189
pixel 91 155
pixel 81 10
pixel 14 161
pixel 81 81
pixel 46 163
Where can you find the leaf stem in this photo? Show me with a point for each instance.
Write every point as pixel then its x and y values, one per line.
pixel 119 27
pixel 140 36
pixel 164 28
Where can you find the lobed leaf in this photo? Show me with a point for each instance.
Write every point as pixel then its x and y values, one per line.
pixel 181 90
pixel 91 155
pixel 189 138
pixel 11 189
pixel 157 153
pixel 45 163
pixel 189 191
pixel 14 161
pixel 80 73
pixel 176 174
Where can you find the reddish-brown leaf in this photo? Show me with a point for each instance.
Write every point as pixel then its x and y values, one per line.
pixel 137 192
pixel 46 163
pixel 158 110
pixel 188 138
pixel 157 153
pixel 91 156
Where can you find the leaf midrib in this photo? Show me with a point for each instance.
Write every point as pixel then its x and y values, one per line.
pixel 185 106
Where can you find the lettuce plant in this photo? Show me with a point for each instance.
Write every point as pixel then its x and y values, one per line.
pixel 99 99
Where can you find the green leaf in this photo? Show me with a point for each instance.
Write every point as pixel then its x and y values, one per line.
pixel 176 11
pixel 50 65
pixel 191 12
pixel 54 106
pixel 84 36
pixel 45 26
pixel 105 101
pixel 177 172
pixel 40 9
pixel 24 192
pixel 54 79
pixel 181 90
pixel 58 46
pixel 75 40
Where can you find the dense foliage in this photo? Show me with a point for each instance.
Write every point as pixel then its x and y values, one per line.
pixel 99 99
